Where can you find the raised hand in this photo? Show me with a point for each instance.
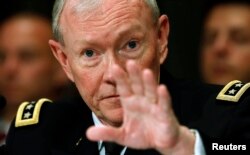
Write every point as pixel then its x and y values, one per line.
pixel 148 118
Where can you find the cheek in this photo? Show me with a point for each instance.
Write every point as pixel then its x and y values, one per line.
pixel 40 72
pixel 40 79
pixel 206 55
pixel 206 59
pixel 241 61
pixel 151 60
pixel 241 67
pixel 87 82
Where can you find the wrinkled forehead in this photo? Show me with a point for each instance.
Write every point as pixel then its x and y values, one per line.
pixel 101 5
pixel 107 16
pixel 87 9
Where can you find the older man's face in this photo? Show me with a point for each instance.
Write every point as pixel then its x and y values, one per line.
pixel 107 35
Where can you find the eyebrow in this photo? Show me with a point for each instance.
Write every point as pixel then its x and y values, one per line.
pixel 121 34
pixel 128 31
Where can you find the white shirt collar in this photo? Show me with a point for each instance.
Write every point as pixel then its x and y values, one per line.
pixel 97 122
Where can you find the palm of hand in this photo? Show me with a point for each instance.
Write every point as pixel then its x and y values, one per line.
pixel 148 119
pixel 147 125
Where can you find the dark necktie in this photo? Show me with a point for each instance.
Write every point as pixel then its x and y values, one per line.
pixel 112 148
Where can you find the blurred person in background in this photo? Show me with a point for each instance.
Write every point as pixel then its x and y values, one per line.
pixel 27 67
pixel 226 42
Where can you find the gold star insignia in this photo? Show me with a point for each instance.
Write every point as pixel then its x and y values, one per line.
pixel 29 106
pixel 239 85
pixel 27 115
pixel 232 91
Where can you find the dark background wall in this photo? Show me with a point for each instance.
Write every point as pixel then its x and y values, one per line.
pixel 8 7
pixel 184 41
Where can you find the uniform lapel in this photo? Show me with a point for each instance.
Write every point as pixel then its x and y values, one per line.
pixel 80 144
pixel 69 131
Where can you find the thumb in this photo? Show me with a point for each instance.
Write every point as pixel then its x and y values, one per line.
pixel 103 133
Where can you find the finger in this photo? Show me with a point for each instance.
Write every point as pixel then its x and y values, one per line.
pixel 122 83
pixel 150 86
pixel 135 77
pixel 103 133
pixel 164 98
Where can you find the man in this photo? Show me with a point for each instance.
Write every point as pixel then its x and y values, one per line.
pixel 27 67
pixel 112 50
pixel 226 42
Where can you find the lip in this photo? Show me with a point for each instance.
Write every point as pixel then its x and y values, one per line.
pixel 109 97
pixel 220 70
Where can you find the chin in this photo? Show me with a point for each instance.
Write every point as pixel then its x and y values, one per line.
pixel 114 117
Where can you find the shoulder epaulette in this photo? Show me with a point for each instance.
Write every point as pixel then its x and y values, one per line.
pixel 28 112
pixel 233 91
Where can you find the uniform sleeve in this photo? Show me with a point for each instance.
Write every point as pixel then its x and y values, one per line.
pixel 225 123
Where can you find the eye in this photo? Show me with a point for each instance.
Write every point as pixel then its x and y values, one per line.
pixel 241 39
pixel 132 49
pixel 89 53
pixel 90 57
pixel 132 44
pixel 209 39
pixel 28 55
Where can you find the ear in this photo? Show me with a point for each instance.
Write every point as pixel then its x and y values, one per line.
pixel 163 33
pixel 60 55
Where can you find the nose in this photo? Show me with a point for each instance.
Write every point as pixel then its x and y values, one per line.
pixel 221 46
pixel 110 61
pixel 10 66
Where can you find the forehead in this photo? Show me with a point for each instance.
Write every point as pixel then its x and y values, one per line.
pixel 21 34
pixel 25 27
pixel 107 14
pixel 100 6
pixel 27 22
pixel 229 15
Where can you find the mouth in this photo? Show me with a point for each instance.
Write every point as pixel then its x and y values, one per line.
pixel 220 70
pixel 110 97
pixel 111 101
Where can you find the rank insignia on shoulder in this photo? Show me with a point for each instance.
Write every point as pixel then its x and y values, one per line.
pixel 28 112
pixel 233 91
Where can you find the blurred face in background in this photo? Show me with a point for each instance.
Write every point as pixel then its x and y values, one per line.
pixel 226 44
pixel 26 61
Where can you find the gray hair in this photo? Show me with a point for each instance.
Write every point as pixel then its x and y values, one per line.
pixel 59 5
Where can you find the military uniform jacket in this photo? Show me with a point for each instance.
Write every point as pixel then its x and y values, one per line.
pixel 60 127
